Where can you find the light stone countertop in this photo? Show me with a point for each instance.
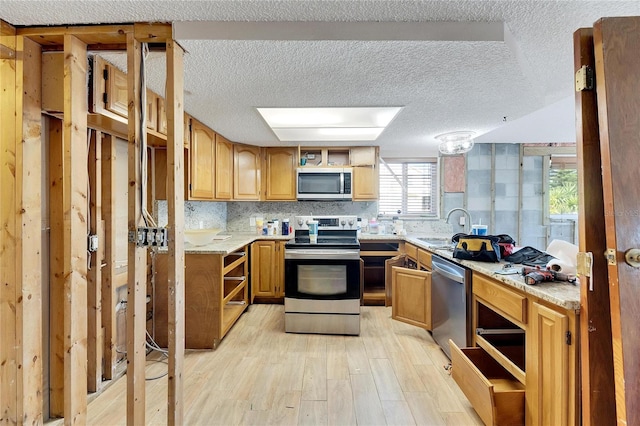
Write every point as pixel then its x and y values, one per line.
pixel 562 294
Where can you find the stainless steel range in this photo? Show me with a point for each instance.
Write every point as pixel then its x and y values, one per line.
pixel 322 278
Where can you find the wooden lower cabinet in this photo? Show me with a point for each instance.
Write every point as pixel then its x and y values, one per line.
pixel 267 269
pixel 533 352
pixel 216 294
pixel 411 296
pixel 550 397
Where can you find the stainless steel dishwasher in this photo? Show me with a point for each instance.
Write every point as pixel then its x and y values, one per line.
pixel 450 303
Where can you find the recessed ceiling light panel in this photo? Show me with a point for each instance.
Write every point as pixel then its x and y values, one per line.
pixel 328 124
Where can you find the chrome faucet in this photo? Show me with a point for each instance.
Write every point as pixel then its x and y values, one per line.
pixel 467 214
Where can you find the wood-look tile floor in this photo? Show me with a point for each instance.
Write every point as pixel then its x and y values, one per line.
pixel 393 374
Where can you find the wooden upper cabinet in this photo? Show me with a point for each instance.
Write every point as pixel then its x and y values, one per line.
pixel 246 172
pixel 202 156
pixel 161 126
pixel 280 171
pixel 363 156
pixel 224 168
pixel 116 97
pixel 365 183
pixel 152 110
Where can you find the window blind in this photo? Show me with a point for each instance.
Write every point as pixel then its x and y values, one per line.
pixel 414 194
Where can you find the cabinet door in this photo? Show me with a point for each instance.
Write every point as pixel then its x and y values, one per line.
pixel 264 268
pixel 363 156
pixel 224 168
pixel 280 169
pixel 152 110
pixel 162 117
pixel 246 171
pixel 201 162
pixel 365 183
pixel 547 367
pixel 117 99
pixel 411 295
pixel 399 260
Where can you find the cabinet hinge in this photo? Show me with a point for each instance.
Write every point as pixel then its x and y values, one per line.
pixel 105 98
pixel 105 74
pixel 567 337
pixel 189 187
pixel 584 79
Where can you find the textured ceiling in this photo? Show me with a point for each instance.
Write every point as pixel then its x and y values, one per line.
pixel 443 85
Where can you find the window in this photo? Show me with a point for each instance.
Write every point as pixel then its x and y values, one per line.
pixel 408 187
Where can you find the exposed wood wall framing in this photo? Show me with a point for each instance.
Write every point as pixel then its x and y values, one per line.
pixel 136 259
pixel 20 230
pixel 108 163
pixel 56 278
pixel 95 342
pixel 175 204
pixel 82 329
pixel 29 232
pixel 75 182
pixel 8 208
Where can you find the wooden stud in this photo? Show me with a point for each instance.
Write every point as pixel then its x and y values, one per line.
pixel 596 352
pixel 154 33
pixel 29 241
pixel 108 162
pixel 75 230
pixel 56 268
pixel 175 204
pixel 8 208
pixel 136 263
pixel 94 277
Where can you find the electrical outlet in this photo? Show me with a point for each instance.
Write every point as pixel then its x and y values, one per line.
pixel 252 222
pixel 93 243
pixel 462 220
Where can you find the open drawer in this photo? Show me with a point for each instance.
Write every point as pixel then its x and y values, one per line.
pixel 496 395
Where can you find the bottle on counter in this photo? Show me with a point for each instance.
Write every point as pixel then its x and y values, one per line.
pixel 373 226
pixel 270 227
pixel 285 226
pixel 276 226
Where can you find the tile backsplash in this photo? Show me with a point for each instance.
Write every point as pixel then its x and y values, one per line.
pixel 234 216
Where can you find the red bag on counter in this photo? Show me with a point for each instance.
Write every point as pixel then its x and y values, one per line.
pixel 506 244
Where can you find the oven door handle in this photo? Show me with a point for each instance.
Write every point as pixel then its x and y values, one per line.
pixel 320 254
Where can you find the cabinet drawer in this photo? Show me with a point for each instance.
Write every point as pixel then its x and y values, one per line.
pixel 495 395
pixel 411 251
pixel 501 299
pixel 424 259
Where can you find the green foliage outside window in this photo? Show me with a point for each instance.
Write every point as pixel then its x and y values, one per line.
pixel 563 191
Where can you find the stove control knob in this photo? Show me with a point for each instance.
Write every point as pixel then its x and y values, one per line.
pixel 343 222
pixel 299 222
pixel 350 222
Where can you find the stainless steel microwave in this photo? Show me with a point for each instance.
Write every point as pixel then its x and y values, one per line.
pixel 324 183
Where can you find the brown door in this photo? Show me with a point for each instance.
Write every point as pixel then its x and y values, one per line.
pixel 616 47
pixel 596 351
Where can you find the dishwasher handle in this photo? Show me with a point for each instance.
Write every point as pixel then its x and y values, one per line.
pixel 451 274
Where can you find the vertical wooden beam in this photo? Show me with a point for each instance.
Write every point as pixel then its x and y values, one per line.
pixel 94 278
pixel 596 352
pixel 75 230
pixel 136 261
pixel 175 204
pixel 56 268
pixel 8 208
pixel 29 233
pixel 107 294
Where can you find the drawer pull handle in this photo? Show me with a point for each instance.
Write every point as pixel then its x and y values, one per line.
pixel 482 331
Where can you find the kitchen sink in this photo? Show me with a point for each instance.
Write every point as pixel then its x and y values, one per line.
pixel 437 243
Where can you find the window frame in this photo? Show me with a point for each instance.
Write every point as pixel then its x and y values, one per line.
pixel 435 193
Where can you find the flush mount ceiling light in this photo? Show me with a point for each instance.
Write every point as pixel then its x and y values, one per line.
pixel 328 124
pixel 455 142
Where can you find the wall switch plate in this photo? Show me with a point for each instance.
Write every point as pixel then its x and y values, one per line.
pixel 252 222
pixel 462 220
